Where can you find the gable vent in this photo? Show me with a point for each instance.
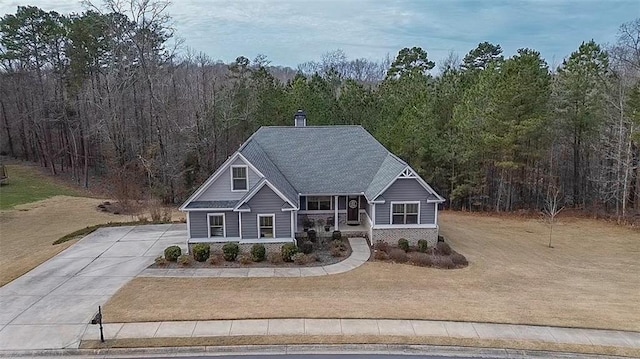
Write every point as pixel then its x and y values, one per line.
pixel 300 119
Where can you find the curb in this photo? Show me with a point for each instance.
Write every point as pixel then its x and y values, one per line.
pixel 331 349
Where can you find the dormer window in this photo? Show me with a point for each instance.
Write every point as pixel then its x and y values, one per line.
pixel 239 180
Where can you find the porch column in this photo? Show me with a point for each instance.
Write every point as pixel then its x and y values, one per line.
pixel 335 218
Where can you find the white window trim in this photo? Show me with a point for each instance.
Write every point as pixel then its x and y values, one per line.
pixel 320 210
pixel 273 216
pixel 224 224
pixel 402 202
pixel 246 171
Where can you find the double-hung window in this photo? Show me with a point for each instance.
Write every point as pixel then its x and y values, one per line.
pixel 239 178
pixel 405 212
pixel 319 203
pixel 216 225
pixel 266 225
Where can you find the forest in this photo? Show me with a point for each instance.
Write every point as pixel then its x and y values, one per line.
pixel 110 92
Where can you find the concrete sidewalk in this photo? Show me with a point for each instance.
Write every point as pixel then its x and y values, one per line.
pixel 360 253
pixel 381 327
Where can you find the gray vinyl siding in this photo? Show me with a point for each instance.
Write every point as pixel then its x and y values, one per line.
pixel 406 190
pixel 266 202
pixel 220 189
pixel 199 227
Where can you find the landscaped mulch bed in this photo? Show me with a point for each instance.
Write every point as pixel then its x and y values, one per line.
pixel 325 251
pixel 441 256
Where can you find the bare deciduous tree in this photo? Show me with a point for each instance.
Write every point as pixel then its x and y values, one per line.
pixel 552 208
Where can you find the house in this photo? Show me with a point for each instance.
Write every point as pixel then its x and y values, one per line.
pixel 283 176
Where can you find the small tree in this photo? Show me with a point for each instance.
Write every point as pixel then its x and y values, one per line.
pixel 552 208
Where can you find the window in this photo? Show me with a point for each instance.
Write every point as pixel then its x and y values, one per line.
pixel 405 213
pixel 266 225
pixel 239 178
pixel 319 203
pixel 216 225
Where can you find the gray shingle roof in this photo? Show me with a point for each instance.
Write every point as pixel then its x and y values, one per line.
pixel 256 155
pixel 389 169
pixel 211 204
pixel 322 160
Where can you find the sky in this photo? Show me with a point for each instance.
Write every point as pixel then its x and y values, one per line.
pixel 290 32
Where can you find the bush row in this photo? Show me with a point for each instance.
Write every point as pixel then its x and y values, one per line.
pixel 289 252
pixel 440 256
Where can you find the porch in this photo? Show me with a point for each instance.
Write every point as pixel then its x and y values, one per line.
pixel 318 223
pixel 347 213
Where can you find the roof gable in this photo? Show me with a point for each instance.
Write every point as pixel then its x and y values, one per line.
pixel 219 175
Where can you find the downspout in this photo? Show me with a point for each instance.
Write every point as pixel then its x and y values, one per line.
pixel 335 219
pixel 293 233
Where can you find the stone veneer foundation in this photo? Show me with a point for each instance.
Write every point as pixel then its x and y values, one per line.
pixel 391 236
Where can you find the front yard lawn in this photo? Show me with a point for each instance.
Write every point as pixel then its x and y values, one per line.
pixel 590 279
pixel 28 184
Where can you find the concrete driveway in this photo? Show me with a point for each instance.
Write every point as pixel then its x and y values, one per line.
pixel 51 306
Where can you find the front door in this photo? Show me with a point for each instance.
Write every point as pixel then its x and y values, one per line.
pixel 353 210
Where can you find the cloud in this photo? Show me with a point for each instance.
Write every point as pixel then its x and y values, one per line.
pixel 291 31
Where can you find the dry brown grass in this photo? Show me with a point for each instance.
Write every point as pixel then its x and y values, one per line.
pixel 357 339
pixel 28 231
pixel 590 279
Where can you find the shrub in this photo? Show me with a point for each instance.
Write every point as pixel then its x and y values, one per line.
pixel 336 252
pixel 230 251
pixel 382 246
pixel 166 214
pixel 154 212
pixel 185 260
pixel 403 244
pixel 258 252
pixel 308 222
pixel 201 252
pixel 172 253
pixel 398 255
pixel 287 251
pixel 380 255
pixel 443 262
pixel 336 235
pixel 443 248
pixel 301 259
pixel 340 245
pixel 214 259
pixel 245 259
pixel 459 259
pixel 422 260
pixel 423 246
pixel 305 247
pixel 161 261
pixel 275 258
pixel 312 235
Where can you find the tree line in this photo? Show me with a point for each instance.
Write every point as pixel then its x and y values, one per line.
pixel 105 92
